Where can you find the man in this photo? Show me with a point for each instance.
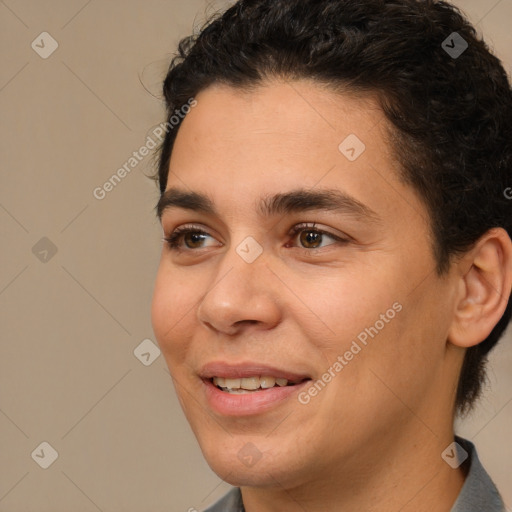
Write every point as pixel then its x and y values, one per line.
pixel 338 260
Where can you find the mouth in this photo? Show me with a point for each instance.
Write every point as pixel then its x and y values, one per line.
pixel 248 388
pixel 244 385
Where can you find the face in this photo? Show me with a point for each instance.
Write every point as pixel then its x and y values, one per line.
pixel 306 261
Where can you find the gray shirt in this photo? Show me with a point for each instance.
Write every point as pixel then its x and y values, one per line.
pixel 478 494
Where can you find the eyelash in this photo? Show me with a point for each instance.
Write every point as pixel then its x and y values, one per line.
pixel 173 239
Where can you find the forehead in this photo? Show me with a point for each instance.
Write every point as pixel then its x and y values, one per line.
pixel 280 115
pixel 236 146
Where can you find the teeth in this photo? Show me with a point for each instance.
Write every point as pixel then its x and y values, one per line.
pixel 232 383
pixel 247 384
pixel 250 383
pixel 267 382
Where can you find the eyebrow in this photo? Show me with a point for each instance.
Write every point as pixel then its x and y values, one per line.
pixel 295 201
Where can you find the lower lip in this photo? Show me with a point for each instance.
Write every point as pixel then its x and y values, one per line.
pixel 254 402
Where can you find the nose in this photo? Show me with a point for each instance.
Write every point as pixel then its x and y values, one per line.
pixel 241 295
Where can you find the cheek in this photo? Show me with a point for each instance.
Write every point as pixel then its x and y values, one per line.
pixel 373 325
pixel 347 303
pixel 172 311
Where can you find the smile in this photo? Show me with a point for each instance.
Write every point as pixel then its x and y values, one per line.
pixel 250 384
pixel 248 388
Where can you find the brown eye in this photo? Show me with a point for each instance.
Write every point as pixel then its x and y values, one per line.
pixel 187 239
pixel 193 240
pixel 310 239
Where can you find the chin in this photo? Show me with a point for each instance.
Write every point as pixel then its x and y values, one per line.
pixel 239 462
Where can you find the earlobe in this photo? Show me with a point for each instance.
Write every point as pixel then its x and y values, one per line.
pixel 484 289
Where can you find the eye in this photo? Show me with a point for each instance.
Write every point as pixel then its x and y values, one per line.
pixel 311 237
pixel 191 236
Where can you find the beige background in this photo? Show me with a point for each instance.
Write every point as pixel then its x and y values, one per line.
pixel 69 325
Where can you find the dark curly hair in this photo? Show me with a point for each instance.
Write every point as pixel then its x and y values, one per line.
pixel 450 116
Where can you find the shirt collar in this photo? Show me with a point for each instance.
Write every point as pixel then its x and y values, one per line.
pixel 478 492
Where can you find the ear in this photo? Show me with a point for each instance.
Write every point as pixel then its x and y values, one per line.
pixel 485 283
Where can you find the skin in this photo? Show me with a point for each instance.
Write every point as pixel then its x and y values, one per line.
pixel 372 438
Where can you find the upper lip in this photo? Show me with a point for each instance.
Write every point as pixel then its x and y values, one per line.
pixel 248 369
